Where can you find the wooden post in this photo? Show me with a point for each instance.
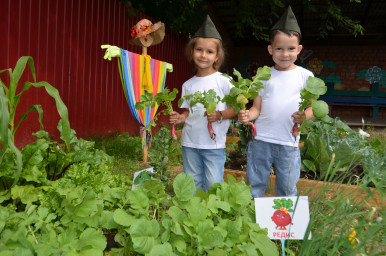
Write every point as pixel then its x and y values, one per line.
pixel 144 52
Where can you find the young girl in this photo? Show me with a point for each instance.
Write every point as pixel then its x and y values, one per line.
pixel 203 157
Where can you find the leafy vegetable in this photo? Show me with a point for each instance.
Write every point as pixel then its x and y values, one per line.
pixel 309 95
pixel 208 99
pixel 245 90
pixel 164 98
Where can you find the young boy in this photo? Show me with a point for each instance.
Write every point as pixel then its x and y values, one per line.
pixel 276 110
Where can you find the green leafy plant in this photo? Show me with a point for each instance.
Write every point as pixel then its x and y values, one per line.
pixel 208 99
pixel 220 222
pixel 12 98
pixel 164 98
pixel 309 97
pixel 328 137
pixel 245 89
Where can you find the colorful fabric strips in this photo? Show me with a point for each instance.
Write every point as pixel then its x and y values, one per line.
pixel 132 70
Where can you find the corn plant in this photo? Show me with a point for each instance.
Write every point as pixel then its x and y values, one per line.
pixel 10 96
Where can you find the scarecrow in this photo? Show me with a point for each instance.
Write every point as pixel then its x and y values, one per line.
pixel 140 74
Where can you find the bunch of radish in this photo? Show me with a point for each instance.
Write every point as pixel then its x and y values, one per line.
pixel 245 89
pixel 164 98
pixel 208 99
pixel 309 97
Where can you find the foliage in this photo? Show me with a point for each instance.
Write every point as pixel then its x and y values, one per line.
pixel 208 99
pixel 245 89
pixel 163 98
pixel 10 155
pixel 220 222
pixel 12 97
pixel 328 137
pixel 186 16
pixel 162 147
pixel 309 95
pixel 334 218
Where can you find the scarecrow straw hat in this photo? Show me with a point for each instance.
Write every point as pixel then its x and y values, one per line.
pixel 145 33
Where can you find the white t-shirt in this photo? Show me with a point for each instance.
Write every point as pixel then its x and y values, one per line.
pixel 195 133
pixel 280 99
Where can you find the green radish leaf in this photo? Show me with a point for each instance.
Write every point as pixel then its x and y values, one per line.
pixel 122 218
pixel 184 187
pixel 138 199
pixel 144 234
pixel 92 238
pixel 164 249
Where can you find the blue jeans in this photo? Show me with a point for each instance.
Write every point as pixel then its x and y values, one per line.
pixel 205 165
pixel 286 160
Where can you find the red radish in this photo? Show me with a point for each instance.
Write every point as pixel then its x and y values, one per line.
pixel 281 219
pixel 253 128
pixel 295 130
pixel 173 132
pixel 211 131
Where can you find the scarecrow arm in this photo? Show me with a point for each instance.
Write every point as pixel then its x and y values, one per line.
pixel 112 51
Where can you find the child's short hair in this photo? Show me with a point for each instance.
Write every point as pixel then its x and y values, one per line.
pixel 220 52
pixel 287 32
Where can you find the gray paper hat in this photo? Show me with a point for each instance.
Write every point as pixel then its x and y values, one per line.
pixel 287 22
pixel 208 30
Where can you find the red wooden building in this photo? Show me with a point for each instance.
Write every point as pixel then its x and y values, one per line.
pixel 64 38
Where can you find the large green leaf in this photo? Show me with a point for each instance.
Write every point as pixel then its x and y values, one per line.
pixel 87 206
pixel 264 244
pixel 138 199
pixel 144 235
pixel 27 194
pixel 39 109
pixel 4 121
pixel 161 250
pixel 94 239
pixel 184 187
pixel 123 218
pixel 62 110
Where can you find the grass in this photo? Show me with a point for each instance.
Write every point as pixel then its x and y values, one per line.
pixel 127 153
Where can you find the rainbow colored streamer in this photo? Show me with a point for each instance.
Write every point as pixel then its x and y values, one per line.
pixel 132 73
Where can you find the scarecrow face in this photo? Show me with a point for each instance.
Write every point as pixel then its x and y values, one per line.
pixel 146 41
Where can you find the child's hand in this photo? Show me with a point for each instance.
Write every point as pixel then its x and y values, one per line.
pixel 298 117
pixel 215 116
pixel 174 117
pixel 243 116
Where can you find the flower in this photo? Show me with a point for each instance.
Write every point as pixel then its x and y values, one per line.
pixel 363 133
pixel 315 65
pixel 352 237
pixel 141 29
pixel 134 31
pixel 374 75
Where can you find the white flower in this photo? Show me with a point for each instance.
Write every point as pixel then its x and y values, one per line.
pixel 363 133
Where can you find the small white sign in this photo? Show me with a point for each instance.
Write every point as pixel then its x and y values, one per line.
pixel 284 217
pixel 151 169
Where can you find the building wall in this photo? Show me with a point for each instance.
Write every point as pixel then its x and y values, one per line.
pixel 341 63
pixel 64 38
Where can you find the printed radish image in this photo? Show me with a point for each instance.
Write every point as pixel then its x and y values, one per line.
pixel 208 99
pixel 281 216
pixel 245 90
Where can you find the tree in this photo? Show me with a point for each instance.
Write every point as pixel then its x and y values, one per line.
pixel 185 16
